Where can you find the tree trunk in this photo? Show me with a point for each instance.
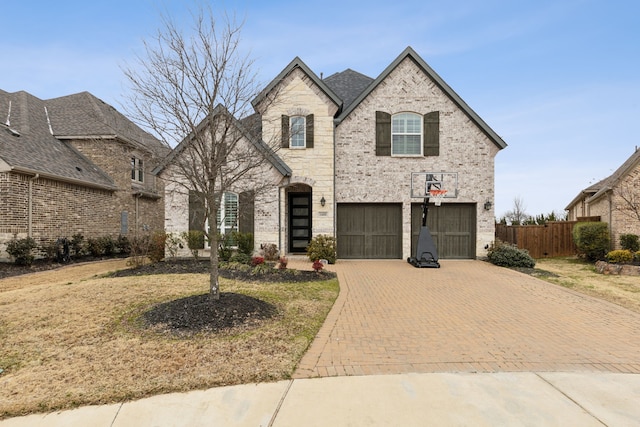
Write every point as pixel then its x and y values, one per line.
pixel 214 285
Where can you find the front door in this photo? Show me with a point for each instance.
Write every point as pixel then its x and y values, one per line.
pixel 299 221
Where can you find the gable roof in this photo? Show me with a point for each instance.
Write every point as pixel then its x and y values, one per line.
pixel 28 146
pixel 410 53
pixel 600 188
pixel 296 63
pixel 82 115
pixel 257 142
pixel 348 85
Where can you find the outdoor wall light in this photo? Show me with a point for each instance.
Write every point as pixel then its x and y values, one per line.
pixel 323 201
pixel 487 205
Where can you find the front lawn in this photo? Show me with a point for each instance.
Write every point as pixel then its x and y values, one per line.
pixel 96 341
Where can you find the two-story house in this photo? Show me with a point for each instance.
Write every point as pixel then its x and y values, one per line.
pixel 348 145
pixel 74 164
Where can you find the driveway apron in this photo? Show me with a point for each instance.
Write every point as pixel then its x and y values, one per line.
pixel 468 316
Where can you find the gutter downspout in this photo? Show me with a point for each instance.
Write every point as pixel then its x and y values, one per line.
pixel 30 206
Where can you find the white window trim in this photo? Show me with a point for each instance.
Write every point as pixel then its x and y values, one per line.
pixel 137 169
pixel 222 229
pixel 303 133
pixel 420 118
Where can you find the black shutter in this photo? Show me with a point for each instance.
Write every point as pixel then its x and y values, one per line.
pixel 383 133
pixel 285 131
pixel 431 140
pixel 245 212
pixel 309 131
pixel 196 213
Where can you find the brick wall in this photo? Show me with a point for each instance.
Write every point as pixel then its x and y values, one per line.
pixel 361 176
pixel 61 209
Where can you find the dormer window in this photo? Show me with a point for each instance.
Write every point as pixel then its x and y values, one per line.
pixel 137 169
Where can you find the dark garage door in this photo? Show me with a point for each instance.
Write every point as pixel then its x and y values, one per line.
pixel 452 226
pixel 369 231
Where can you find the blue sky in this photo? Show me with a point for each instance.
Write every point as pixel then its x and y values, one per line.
pixel 559 80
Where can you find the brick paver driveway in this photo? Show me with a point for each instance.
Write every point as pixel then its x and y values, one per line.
pixel 468 316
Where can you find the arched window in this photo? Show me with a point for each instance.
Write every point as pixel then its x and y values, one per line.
pixel 406 134
pixel 298 127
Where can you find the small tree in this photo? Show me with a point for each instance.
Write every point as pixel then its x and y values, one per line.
pixel 190 88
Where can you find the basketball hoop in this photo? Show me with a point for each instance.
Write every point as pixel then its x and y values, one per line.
pixel 437 196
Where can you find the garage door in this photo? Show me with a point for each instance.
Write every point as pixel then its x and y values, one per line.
pixel 369 231
pixel 452 226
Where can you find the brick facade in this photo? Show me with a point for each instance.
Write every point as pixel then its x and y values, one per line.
pixel 362 177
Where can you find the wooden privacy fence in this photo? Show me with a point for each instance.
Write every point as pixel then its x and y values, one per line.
pixel 542 241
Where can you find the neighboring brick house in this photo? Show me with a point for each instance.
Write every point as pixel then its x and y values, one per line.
pixel 74 165
pixel 347 171
pixel 615 200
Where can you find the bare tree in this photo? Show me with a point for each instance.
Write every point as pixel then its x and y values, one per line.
pixel 191 88
pixel 518 214
pixel 630 197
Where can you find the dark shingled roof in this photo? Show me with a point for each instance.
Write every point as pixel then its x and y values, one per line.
pixel 348 85
pixel 37 150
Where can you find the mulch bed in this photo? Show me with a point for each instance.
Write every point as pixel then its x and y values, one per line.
pixel 198 313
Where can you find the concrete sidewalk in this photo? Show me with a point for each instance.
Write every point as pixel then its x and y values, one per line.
pixel 442 399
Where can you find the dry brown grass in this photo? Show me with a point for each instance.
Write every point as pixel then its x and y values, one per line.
pixel 78 341
pixel 582 277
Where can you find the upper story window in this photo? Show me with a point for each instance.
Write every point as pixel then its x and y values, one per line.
pixel 297 131
pixel 298 127
pixel 137 169
pixel 406 134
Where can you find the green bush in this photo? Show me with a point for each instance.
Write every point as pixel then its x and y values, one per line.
pixel 173 243
pixel 195 241
pixel 123 245
pixel 322 247
pixel 225 250
pixel 244 242
pixel 630 242
pixel 620 256
pixel 240 258
pixel 77 244
pixel 508 255
pixel 95 246
pixel 108 245
pixel 591 239
pixel 21 250
pixel 50 249
pixel 636 256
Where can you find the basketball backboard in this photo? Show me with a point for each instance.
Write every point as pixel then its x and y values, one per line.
pixel 422 183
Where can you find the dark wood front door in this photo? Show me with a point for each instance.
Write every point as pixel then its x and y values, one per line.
pixel 299 221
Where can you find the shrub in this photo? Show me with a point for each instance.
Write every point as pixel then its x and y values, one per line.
pixel 630 242
pixel 257 260
pixel 157 243
pixel 591 239
pixel 240 258
pixel 22 250
pixel 95 246
pixel 282 263
pixel 195 241
pixel 262 269
pixel 269 251
pixel 317 266
pixel 50 249
pixel 244 242
pixel 123 245
pixel 225 250
pixel 77 244
pixel 139 250
pixel 322 247
pixel 108 245
pixel 636 256
pixel 173 243
pixel 620 256
pixel 508 255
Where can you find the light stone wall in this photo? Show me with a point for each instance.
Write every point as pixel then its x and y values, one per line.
pixel 314 167
pixel 363 177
